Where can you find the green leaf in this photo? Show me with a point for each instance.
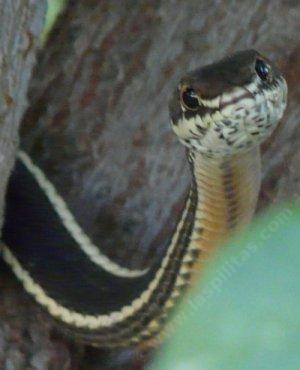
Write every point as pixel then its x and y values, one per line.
pixel 245 312
pixel 54 9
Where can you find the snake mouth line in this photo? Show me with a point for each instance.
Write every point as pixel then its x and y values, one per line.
pixel 235 100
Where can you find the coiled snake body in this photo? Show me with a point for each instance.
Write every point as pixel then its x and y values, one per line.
pixel 221 113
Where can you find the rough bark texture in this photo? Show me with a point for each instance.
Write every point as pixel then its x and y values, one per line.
pixel 98 122
pixel 21 23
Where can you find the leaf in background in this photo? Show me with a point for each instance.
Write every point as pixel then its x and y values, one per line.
pixel 55 8
pixel 245 312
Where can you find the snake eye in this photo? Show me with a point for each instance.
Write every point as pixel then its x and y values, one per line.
pixel 262 69
pixel 189 99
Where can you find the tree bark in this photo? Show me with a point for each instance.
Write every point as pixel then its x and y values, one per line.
pixel 21 23
pixel 98 117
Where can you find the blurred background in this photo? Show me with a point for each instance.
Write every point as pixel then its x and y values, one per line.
pixel 96 120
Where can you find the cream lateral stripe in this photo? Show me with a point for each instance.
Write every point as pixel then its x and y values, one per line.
pixel 89 321
pixel 180 281
pixel 69 222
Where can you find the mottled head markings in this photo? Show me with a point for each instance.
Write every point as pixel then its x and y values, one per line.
pixel 230 105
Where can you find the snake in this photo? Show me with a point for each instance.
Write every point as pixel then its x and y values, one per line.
pixel 221 113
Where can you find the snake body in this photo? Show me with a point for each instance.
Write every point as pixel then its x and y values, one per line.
pixel 221 113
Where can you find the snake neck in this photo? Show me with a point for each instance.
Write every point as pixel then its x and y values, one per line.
pixel 227 192
pixel 222 199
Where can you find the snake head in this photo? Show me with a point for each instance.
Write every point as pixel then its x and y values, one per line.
pixel 228 106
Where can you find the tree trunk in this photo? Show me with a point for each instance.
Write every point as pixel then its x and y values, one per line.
pixel 98 119
pixel 21 23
